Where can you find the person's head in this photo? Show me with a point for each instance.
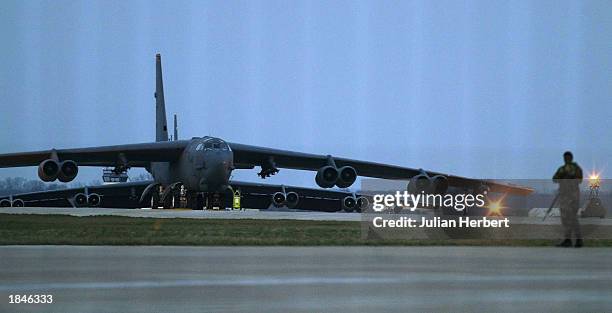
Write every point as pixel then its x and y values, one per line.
pixel 568 157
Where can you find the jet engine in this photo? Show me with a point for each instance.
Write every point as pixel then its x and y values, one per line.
pixel 94 199
pixel 18 203
pixel 278 199
pixel 68 170
pixel 5 203
pixel 419 183
pixel 349 203
pixel 362 203
pixel 48 170
pixel 80 199
pixel 327 176
pixel 292 199
pixel 439 184
pixel 346 176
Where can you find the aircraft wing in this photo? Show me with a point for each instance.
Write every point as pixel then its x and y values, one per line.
pixel 250 156
pixel 127 195
pixel 133 155
pixel 121 195
pixel 259 196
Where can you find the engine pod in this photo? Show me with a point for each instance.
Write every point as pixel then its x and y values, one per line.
pixel 349 203
pixel 94 199
pixel 48 170
pixel 327 176
pixel 292 199
pixel 278 199
pixel 68 171
pixel 346 176
pixel 80 199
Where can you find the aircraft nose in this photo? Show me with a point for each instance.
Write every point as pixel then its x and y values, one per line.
pixel 217 174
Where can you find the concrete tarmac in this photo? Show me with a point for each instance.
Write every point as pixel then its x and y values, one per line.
pixel 307 279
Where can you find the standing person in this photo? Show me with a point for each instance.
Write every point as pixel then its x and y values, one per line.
pixel 569 178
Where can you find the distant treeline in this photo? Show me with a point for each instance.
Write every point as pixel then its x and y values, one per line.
pixel 18 185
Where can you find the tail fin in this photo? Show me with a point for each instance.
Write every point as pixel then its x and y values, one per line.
pixel 161 126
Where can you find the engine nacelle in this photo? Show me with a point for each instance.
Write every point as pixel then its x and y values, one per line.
pixel 327 176
pixel 94 199
pixel 349 203
pixel 419 183
pixel 346 176
pixel 362 203
pixel 80 200
pixel 48 170
pixel 292 199
pixel 439 184
pixel 5 203
pixel 278 199
pixel 18 203
pixel 68 170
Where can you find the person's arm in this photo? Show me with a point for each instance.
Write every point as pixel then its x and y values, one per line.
pixel 558 175
pixel 579 174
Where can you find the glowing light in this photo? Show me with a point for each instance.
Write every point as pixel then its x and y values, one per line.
pixel 496 207
pixel 594 180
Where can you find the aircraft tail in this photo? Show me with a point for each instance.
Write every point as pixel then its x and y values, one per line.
pixel 161 126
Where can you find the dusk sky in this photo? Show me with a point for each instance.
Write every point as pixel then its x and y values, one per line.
pixel 487 89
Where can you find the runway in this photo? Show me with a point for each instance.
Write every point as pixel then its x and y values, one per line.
pixel 201 214
pixel 307 279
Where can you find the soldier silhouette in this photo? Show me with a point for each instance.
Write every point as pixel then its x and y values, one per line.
pixel 569 178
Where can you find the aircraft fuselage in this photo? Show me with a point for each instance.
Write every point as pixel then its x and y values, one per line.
pixel 205 166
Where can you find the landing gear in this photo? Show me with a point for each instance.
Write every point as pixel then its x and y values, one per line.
pixel 155 197
pixel 195 200
pixel 182 198
pixel 214 201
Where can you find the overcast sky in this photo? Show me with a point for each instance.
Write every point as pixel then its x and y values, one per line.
pixel 491 89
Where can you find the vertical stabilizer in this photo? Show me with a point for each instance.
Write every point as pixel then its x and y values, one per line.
pixel 161 126
pixel 175 128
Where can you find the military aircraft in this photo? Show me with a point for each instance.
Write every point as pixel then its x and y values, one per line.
pixel 202 167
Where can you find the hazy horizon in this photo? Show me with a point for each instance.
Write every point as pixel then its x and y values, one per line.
pixel 487 89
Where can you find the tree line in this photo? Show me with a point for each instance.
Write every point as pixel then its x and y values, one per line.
pixel 18 185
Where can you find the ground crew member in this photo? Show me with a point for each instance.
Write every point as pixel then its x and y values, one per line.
pixel 569 178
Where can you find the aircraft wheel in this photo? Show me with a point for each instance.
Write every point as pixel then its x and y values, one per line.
pixel 199 201
pixel 155 201
pixel 168 202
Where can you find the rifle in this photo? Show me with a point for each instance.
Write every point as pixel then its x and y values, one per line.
pixel 551 206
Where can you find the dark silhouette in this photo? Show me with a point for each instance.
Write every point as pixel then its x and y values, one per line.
pixel 569 178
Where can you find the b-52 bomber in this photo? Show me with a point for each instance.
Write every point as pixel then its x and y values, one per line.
pixel 201 168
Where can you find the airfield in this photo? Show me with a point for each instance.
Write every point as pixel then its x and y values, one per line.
pixel 308 279
pixel 299 273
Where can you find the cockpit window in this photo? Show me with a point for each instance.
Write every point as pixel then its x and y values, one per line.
pixel 215 144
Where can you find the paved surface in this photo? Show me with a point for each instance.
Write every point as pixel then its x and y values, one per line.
pixel 247 214
pixel 307 279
